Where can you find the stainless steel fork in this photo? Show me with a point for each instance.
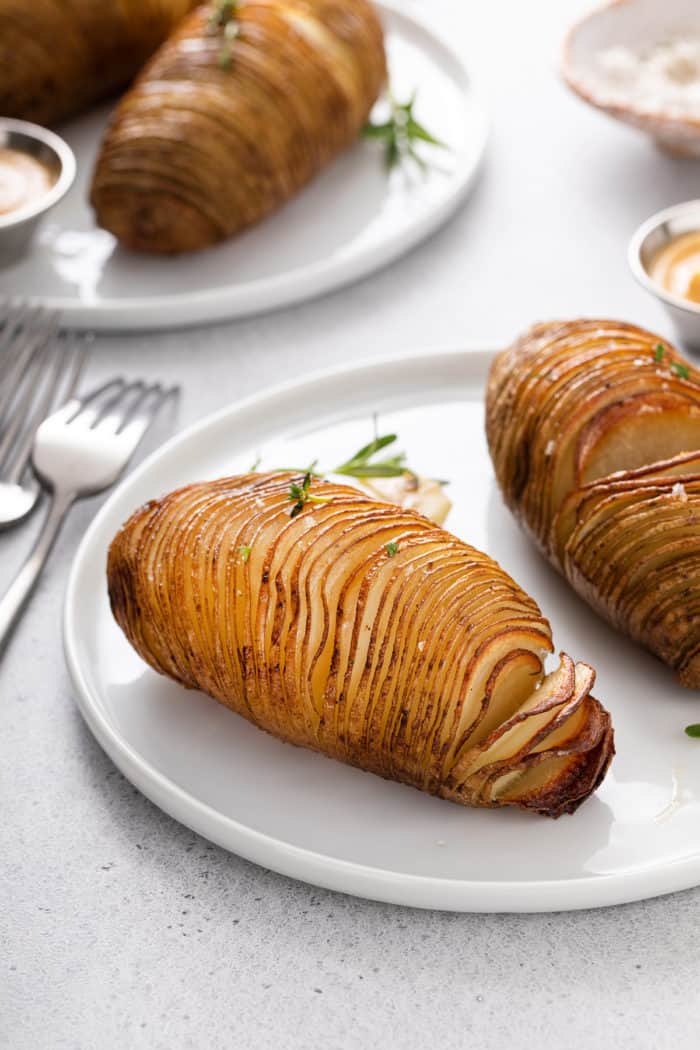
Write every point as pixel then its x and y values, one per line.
pixel 80 450
pixel 37 371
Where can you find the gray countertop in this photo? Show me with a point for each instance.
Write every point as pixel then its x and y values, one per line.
pixel 121 928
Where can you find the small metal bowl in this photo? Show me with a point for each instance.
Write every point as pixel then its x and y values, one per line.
pixel 19 226
pixel 646 242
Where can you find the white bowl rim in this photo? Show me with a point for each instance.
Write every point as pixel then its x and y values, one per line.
pixel 634 255
pixel 66 159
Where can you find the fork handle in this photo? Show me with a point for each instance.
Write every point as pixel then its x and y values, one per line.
pixel 19 591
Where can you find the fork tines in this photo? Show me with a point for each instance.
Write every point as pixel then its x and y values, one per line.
pixel 39 370
pixel 122 408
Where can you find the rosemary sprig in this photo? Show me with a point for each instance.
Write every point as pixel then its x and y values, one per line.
pixel 401 133
pixel 392 548
pixel 223 21
pixel 693 730
pixel 299 495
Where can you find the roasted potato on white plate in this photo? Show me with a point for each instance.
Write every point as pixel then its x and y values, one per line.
pixel 361 630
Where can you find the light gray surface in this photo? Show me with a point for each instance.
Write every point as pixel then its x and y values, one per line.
pixel 121 928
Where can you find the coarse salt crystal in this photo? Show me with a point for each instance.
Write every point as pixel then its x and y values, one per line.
pixel 679 492
pixel 550 448
pixel 421 646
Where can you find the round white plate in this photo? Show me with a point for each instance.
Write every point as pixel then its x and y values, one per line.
pixel 354 218
pixel 312 818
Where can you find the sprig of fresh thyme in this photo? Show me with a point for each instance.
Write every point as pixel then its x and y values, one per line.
pixel 401 134
pixel 223 21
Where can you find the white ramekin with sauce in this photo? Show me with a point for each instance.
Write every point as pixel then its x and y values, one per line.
pixel 664 255
pixel 37 169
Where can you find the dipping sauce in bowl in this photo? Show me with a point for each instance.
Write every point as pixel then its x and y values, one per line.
pixel 24 179
pixel 664 255
pixel 37 169
pixel 676 266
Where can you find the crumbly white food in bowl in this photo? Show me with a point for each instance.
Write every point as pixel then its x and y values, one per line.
pixel 663 78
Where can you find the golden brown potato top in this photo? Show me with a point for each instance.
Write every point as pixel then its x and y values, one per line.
pixel 594 430
pixel 574 401
pixel 58 57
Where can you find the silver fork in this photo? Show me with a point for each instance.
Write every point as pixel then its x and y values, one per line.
pixel 37 371
pixel 80 450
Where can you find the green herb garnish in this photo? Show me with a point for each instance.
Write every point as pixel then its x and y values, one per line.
pixel 299 495
pixel 244 552
pixel 363 463
pixel 401 133
pixel 223 21
pixel 392 549
pixel 676 366
pixel 359 465
pixel 256 464
pixel 693 730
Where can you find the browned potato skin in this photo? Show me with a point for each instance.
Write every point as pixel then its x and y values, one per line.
pixel 422 666
pixel 197 152
pixel 592 438
pixel 59 57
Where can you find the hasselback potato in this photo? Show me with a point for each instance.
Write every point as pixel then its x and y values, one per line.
pixel 219 130
pixel 58 57
pixel 594 431
pixel 363 631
